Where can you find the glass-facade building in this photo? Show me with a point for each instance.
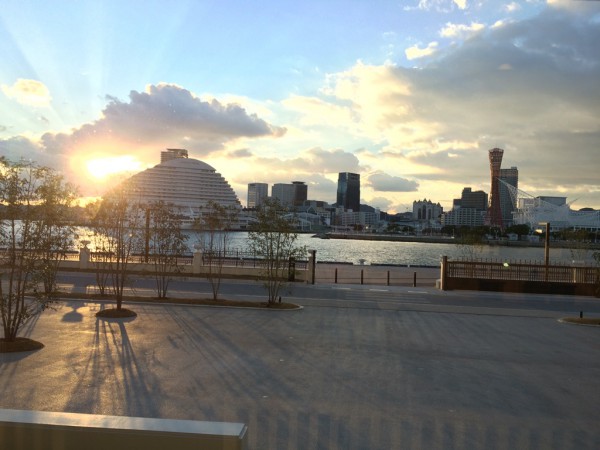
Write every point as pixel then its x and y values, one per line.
pixel 348 191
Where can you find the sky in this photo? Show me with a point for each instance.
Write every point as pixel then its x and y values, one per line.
pixel 409 94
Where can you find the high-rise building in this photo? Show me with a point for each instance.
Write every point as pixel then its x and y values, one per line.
pixel 348 191
pixel 507 202
pixel 294 194
pixel 257 193
pixel 494 213
pixel 300 192
pixel 468 210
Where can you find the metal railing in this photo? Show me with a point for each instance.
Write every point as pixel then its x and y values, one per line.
pixel 531 271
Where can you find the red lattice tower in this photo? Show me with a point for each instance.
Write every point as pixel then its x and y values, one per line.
pixel 494 213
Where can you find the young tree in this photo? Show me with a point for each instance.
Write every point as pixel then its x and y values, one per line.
pixel 165 243
pixel 119 221
pixel 34 232
pixel 273 239
pixel 214 240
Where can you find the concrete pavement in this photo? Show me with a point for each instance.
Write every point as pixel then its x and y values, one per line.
pixel 322 377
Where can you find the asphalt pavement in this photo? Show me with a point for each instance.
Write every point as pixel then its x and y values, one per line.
pixel 358 367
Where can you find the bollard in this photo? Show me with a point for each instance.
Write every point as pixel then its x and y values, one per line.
pixel 415 279
pixel 362 276
pixel 388 277
pixel 581 314
pixel 336 275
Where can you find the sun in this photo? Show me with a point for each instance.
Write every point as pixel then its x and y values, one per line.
pixel 101 168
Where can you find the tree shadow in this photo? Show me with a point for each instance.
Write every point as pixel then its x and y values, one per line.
pixel 74 315
pixel 113 379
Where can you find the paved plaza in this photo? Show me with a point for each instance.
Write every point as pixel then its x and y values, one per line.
pixel 324 377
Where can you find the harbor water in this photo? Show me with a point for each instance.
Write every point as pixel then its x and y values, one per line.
pixel 418 253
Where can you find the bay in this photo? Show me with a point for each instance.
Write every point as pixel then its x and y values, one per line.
pixel 416 253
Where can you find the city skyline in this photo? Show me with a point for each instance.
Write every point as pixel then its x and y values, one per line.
pixel 410 95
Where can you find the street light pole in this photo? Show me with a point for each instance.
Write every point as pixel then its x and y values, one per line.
pixel 547 248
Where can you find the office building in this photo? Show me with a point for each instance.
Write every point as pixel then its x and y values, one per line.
pixel 348 191
pixel 290 195
pixel 508 202
pixel 469 210
pixel 257 193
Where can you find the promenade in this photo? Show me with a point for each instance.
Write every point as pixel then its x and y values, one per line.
pixel 366 374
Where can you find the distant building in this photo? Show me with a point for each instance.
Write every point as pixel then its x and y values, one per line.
pixel 469 210
pixel 290 195
pixel 348 191
pixel 184 183
pixel 300 193
pixel 257 193
pixel 508 204
pixel 426 210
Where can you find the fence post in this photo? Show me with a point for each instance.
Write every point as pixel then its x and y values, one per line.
pixel 415 279
pixel 444 273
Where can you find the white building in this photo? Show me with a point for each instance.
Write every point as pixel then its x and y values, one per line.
pixel 186 184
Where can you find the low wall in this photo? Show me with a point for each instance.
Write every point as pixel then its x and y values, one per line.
pixel 528 287
pixel 41 430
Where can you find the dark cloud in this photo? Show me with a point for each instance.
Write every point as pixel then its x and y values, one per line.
pixel 387 183
pixel 241 153
pixel 165 116
pixel 529 87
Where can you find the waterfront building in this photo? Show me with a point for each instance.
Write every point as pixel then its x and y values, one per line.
pixel 533 211
pixel 426 210
pixel 508 177
pixel 186 184
pixel 290 195
pixel 468 210
pixel 348 191
pixel 257 193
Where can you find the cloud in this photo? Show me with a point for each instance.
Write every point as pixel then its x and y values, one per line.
pixel 380 181
pixel 442 6
pixel 512 7
pixel 163 116
pixel 240 153
pixel 461 31
pixel 28 92
pixel 529 87
pixel 415 52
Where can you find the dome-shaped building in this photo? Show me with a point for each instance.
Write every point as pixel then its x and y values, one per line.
pixel 186 184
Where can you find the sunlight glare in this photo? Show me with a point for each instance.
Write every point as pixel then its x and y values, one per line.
pixel 102 167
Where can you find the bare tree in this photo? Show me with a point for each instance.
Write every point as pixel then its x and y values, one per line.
pixel 165 243
pixel 215 225
pixel 119 221
pixel 101 256
pixel 33 230
pixel 273 238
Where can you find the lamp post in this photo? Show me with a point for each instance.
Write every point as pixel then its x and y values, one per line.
pixel 546 248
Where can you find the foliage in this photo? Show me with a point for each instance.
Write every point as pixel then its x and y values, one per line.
pixel 470 244
pixel 118 232
pixel 520 230
pixel 35 233
pixel 273 239
pixel 165 242
pixel 214 239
